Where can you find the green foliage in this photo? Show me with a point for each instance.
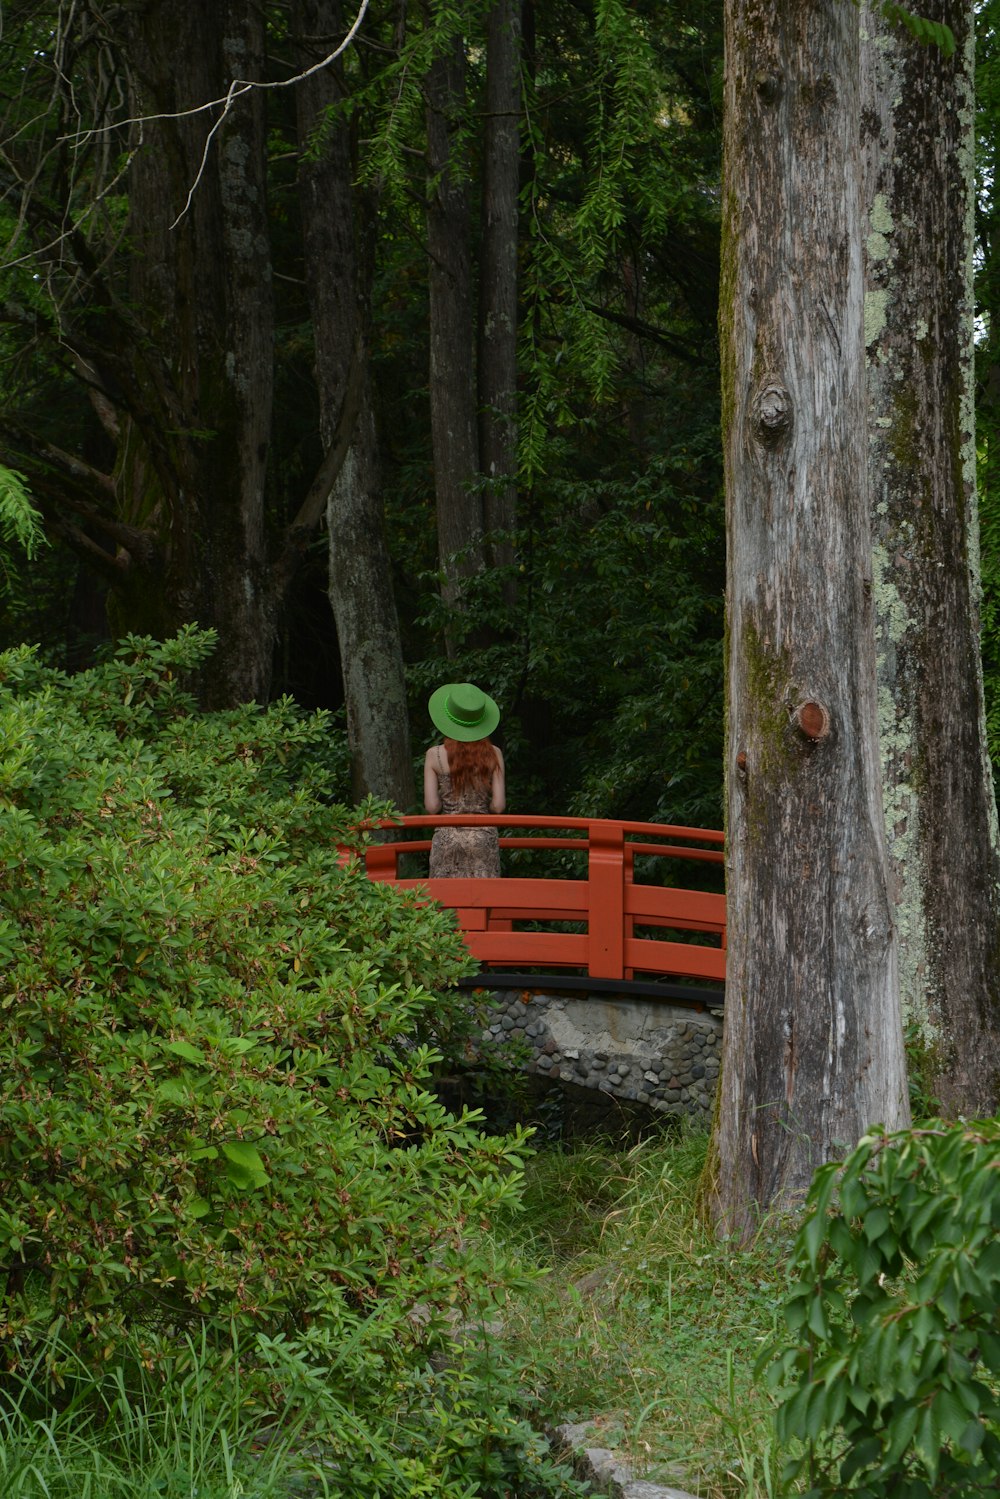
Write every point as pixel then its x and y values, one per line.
pixel 20 522
pixel 24 581
pixel 617 672
pixel 131 1434
pixel 215 1074
pixel 921 1069
pixel 891 1378
pixel 928 33
pixel 188 1428
pixel 617 580
pixel 620 217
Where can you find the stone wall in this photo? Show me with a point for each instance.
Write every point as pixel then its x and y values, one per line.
pixel 646 1050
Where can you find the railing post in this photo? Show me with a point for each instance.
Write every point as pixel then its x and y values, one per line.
pixel 381 861
pixel 628 922
pixel 606 900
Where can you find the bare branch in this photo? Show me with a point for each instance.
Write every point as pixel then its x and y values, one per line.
pixel 236 90
pixel 67 463
pixel 642 329
pixel 239 87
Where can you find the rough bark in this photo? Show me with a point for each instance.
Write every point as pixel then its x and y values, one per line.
pixel 459 501
pixel 498 276
pixel 360 572
pixel 812 1052
pixel 940 809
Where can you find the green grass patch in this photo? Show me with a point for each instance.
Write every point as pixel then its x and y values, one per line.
pixel 125 1434
pixel 647 1326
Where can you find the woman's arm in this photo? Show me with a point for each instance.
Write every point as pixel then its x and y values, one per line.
pixel 498 799
pixel 432 792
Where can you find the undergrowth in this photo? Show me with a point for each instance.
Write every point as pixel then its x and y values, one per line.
pixel 647 1326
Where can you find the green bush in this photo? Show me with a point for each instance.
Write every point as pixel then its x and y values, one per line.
pixel 216 1113
pixel 891 1382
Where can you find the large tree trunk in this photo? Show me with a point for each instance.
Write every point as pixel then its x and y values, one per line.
pixel 498 276
pixel 939 801
pixel 360 567
pixel 197 376
pixel 812 1052
pixel 452 364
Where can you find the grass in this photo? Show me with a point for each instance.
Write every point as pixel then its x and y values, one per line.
pixel 123 1436
pixel 647 1326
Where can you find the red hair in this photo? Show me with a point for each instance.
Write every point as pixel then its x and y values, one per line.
pixel 471 764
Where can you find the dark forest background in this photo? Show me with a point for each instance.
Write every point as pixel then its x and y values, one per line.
pixel 441 315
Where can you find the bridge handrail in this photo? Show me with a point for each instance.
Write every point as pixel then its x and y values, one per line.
pixel 624 827
pixel 608 900
pixel 580 845
pixel 546 820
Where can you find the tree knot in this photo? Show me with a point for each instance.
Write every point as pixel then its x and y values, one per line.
pixel 768 87
pixel 812 720
pixel 772 413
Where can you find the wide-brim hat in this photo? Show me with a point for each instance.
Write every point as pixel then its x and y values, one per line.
pixel 461 710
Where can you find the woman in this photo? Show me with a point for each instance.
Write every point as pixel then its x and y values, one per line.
pixel 464 774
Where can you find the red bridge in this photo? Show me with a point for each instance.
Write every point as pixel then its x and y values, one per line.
pixel 596 926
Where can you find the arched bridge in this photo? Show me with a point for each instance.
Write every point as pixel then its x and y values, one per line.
pixel 585 903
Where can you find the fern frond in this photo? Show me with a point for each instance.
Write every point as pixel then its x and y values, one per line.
pixel 20 523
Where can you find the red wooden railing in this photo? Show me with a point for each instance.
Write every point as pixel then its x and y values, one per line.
pixel 615 914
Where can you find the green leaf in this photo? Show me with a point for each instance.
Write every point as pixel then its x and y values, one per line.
pixel 927 1438
pixel 818 1322
pixel 813 1234
pixel 875 1223
pixel 900 1432
pixel 172 1091
pixel 989 1349
pixel 972 1436
pixel 926 32
pixel 20 522
pixel 952 1415
pixel 184 1050
pixel 861 1455
pixel 245 1159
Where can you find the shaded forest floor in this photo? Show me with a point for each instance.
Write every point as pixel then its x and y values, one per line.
pixel 643 1324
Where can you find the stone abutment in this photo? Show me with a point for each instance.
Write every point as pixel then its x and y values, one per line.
pixel 646 1051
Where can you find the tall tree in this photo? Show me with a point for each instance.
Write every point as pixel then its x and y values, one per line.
pixel 617 255
pixel 451 324
pixel 940 810
pixel 172 346
pixel 338 228
pixel 498 275
pixel 812 1052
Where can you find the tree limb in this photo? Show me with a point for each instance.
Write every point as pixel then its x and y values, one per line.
pixel 642 329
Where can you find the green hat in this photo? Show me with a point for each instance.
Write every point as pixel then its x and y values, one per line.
pixel 461 711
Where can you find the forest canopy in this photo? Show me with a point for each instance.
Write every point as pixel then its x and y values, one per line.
pixel 584 590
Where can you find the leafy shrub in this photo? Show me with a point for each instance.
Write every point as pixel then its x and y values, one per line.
pixel 892 1380
pixel 216 1116
pixel 188 1429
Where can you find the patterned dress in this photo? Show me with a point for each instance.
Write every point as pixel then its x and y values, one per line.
pixel 464 853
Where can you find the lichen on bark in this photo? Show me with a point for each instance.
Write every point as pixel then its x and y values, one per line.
pixel 940 811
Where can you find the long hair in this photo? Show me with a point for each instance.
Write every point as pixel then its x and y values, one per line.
pixel 471 764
